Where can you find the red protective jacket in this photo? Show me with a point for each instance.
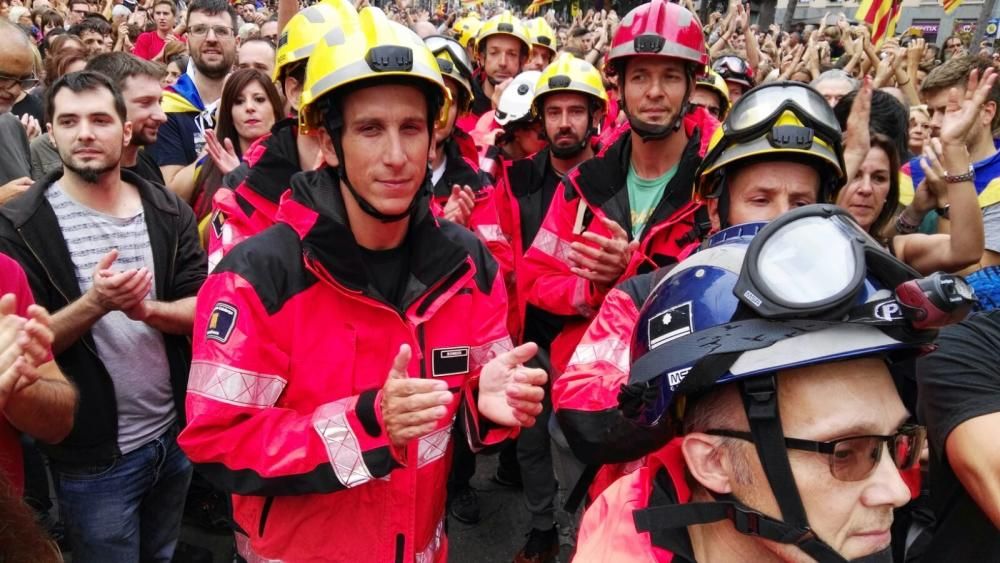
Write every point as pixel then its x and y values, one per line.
pixel 596 189
pixel 292 347
pixel 253 206
pixel 608 531
pixel 462 168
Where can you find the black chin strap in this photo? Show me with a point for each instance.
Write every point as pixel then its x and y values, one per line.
pixel 334 125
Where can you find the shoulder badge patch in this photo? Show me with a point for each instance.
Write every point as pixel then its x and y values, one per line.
pixel 670 325
pixel 222 322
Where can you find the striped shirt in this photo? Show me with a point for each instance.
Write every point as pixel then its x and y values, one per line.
pixel 132 351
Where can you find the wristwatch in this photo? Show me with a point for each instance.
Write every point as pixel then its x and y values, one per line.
pixel 969 176
pixel 943 211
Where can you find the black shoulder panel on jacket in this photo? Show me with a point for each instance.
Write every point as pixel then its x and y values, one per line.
pixel 640 287
pixel 486 265
pixel 272 263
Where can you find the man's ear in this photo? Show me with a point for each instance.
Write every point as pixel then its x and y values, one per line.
pixel 988 113
pixel 706 462
pixel 713 213
pixel 326 148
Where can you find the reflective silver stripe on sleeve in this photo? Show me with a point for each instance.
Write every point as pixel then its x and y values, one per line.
pixel 330 422
pixel 234 386
pixel 609 350
pixel 433 446
pixel 490 233
pixel 549 243
pixel 481 355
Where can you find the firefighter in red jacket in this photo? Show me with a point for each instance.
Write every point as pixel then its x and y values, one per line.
pixel 749 174
pixel 273 159
pixel 629 209
pixel 740 475
pixel 334 351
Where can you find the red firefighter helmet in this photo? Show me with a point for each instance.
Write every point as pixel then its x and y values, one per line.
pixel 660 28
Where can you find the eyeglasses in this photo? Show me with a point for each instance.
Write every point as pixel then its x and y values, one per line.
pixel 221 31
pixel 856 457
pixel 25 82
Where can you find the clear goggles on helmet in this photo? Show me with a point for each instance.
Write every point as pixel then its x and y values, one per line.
pixel 459 58
pixel 813 262
pixel 756 112
pixel 732 65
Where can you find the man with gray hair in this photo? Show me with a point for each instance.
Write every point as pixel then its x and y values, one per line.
pixel 17 74
pixel 834 84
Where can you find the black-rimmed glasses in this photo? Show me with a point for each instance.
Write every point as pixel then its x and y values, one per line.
pixel 855 458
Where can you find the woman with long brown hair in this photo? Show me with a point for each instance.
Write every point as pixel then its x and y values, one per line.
pixel 249 107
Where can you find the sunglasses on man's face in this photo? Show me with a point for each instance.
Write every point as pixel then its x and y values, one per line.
pixel 855 458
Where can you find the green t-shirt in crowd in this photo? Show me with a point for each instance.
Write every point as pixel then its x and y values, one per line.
pixel 644 195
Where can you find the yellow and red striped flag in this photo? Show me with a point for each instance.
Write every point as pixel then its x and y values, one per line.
pixel 536 5
pixel 882 15
pixel 950 5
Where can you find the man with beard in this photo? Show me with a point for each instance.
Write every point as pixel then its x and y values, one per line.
pixel 191 102
pixel 628 209
pixel 570 99
pixel 16 75
pixel 118 261
pixel 139 83
pixel 503 45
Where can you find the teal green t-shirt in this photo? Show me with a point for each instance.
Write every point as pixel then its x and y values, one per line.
pixel 644 195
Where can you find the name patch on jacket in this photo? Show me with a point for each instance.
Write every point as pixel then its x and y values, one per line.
pixel 222 322
pixel 669 325
pixel 449 361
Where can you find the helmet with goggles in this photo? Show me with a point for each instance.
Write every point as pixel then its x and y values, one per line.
pixel 454 64
pixel 779 120
pixel 734 69
pixel 514 106
pixel 711 80
pixel 658 29
pixel 764 300
pixel 326 21
pixel 504 23
pixel 379 52
pixel 541 34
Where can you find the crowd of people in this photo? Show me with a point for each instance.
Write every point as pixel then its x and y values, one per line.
pixel 710 290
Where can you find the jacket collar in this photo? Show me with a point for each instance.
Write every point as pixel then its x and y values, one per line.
pixel 33 218
pixel 601 180
pixel 457 170
pixel 315 210
pixel 278 162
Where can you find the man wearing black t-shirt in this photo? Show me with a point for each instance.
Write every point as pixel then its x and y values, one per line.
pixel 139 82
pixel 959 401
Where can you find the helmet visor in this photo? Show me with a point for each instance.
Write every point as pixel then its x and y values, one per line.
pixel 456 53
pixel 758 109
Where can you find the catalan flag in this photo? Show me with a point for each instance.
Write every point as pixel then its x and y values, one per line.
pixel 950 5
pixel 882 15
pixel 535 6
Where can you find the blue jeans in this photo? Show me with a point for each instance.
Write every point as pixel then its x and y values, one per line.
pixel 127 510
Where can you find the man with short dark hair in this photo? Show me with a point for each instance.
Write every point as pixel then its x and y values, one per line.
pixel 256 53
pixel 78 9
pixel 119 262
pixel 94 32
pixel 139 82
pixel 503 43
pixel 191 102
pixel 269 31
pixel 150 45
